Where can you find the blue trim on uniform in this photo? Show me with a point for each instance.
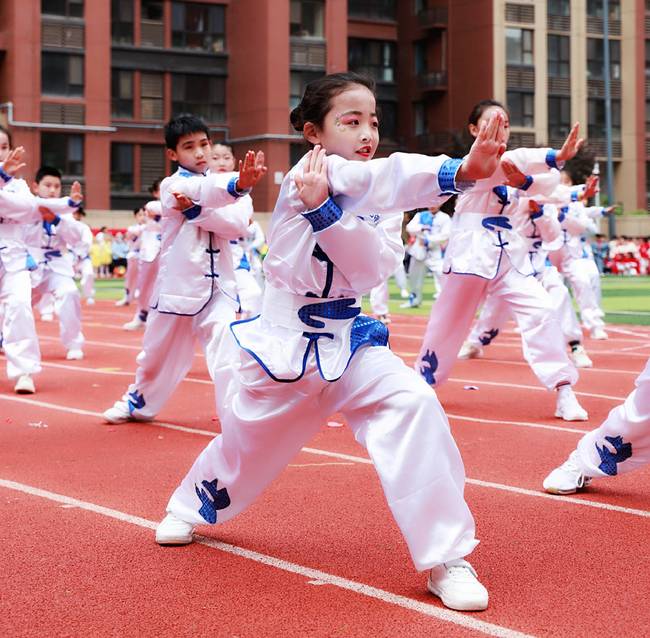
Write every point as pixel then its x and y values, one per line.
pixel 56 221
pixel 337 309
pixel 72 203
pixel 574 196
pixel 5 176
pixel 447 178
pixel 551 159
pixel 244 264
pixel 232 188
pixel 192 212
pixel 324 216
pixel 527 184
pixel 492 223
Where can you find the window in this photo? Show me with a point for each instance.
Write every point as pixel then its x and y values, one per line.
pixel 307 18
pixel 419 118
pixel 559 56
pixel 151 23
pixel 122 21
pixel 375 58
pixel 647 58
pixel 387 112
pixel 559 7
pixel 559 117
pixel 151 96
pixel 62 74
pixel 199 26
pixel 373 9
pixel 647 116
pixel 522 108
pixel 596 118
pixel 596 60
pixel 203 95
pixel 419 6
pixel 67 8
pixel 420 57
pixel 63 151
pixel 152 165
pixel 595 9
pixel 519 46
pixel 299 80
pixel 121 93
pixel 122 168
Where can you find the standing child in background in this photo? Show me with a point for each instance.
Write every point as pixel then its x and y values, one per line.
pixel 334 235
pixel 81 258
pixel 133 234
pixel 196 295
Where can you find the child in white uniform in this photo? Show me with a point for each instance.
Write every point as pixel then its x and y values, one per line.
pixel 311 353
pixel 133 235
pixel 82 265
pixel 485 255
pixel 195 297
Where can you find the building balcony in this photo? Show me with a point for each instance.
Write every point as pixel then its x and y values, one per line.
pixel 374 10
pixel 308 54
pixel 152 33
pixel 598 145
pixel 62 33
pixel 433 81
pixel 595 26
pixel 558 23
pixel 433 18
pixel 520 77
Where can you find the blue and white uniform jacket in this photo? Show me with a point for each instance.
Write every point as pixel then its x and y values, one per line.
pixel 195 259
pixel 482 230
pixel 19 215
pixel 430 231
pixel 321 262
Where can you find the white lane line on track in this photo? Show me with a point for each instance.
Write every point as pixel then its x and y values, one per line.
pixel 346 457
pixel 632 348
pixel 539 426
pixel 427 609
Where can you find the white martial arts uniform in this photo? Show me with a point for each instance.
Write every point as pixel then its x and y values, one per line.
pixel 149 259
pixel 249 291
pixel 255 241
pixel 81 263
pixel 133 236
pixel 47 244
pixel 311 354
pixel 430 232
pixel 486 255
pixel 195 298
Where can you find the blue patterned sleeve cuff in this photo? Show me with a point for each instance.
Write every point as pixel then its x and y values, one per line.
pixel 527 184
pixel 447 178
pixel 325 215
pixel 192 212
pixel 5 176
pixel 551 160
pixel 72 203
pixel 232 188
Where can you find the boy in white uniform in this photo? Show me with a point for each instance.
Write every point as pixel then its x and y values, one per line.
pixel 82 264
pixel 133 234
pixel 195 296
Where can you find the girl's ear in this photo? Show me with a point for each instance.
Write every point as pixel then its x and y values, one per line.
pixel 473 130
pixel 311 133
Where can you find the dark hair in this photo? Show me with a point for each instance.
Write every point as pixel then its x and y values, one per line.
pixel 7 133
pixel 137 210
pixel 315 103
pixel 155 185
pixel 181 125
pixel 228 146
pixel 80 211
pixel 44 171
pixel 480 108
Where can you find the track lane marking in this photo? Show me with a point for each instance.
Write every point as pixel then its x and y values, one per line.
pixel 446 615
pixel 354 459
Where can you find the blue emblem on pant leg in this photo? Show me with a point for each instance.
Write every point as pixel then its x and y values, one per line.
pixel 136 401
pixel 487 336
pixel 608 460
pixel 427 371
pixel 210 506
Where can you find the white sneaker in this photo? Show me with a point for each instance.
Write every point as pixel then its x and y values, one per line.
pixel 119 413
pixel 599 333
pixel 404 293
pixel 580 357
pixel 457 585
pixel 470 351
pixel 25 385
pixel 74 355
pixel 568 478
pixel 567 406
pixel 135 324
pixel 173 531
pixel 411 303
pixel 47 317
pixel 122 302
pixel 90 301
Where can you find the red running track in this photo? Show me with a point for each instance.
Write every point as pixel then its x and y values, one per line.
pixel 318 554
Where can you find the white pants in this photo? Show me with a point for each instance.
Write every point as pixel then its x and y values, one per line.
pixel 131 278
pixel 400 276
pixel 249 291
pixel 391 412
pixel 622 443
pixel 87 276
pixel 379 299
pixel 453 313
pixel 168 351
pixel 147 273
pixel 67 305
pixel 584 278
pixel 19 338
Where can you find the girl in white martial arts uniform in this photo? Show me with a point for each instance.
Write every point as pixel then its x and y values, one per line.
pixel 248 290
pixel 195 295
pixel 485 255
pixel 133 235
pixel 19 209
pixel 621 444
pixel 311 353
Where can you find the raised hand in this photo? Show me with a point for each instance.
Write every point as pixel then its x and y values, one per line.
pixel 486 151
pixel 251 170
pixel 183 202
pixel 591 187
pixel 571 145
pixel 75 193
pixel 535 209
pixel 513 176
pixel 312 185
pixel 14 161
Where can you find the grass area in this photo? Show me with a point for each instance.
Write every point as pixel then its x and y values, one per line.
pixel 625 299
